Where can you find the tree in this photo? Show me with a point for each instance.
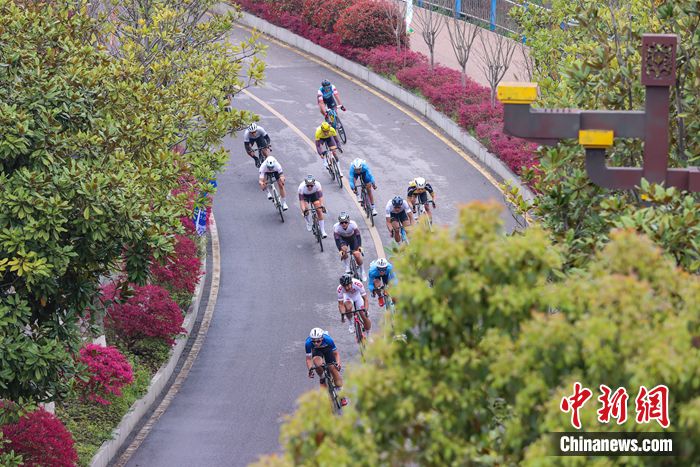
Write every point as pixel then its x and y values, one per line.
pixel 586 55
pixel 496 57
pixel 395 13
pixel 431 20
pixel 484 366
pixel 462 36
pixel 87 166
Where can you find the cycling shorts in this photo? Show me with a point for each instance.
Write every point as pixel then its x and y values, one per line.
pixel 352 242
pixel 325 352
pixel 356 299
pixel 260 142
pixel 312 197
pixel 423 197
pixel 329 142
pixel 363 177
pixel 275 175
pixel 399 216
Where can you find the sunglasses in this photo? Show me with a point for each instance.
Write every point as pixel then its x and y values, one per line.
pixel 344 222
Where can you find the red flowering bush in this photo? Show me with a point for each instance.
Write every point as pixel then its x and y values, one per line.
pixel 179 273
pixel 149 312
pixel 324 15
pixel 470 115
pixel 41 439
pixel 365 24
pixel 108 371
pixel 387 61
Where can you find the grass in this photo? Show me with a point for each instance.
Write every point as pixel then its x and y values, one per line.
pixel 91 423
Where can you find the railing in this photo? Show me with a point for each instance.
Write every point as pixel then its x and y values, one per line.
pixel 491 14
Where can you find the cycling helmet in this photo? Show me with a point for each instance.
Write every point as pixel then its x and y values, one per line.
pixel 397 201
pixel 420 182
pixel 358 163
pixel 270 162
pixel 316 333
pixel 382 263
pixel 325 127
pixel 325 83
pixel 344 217
pixel 345 279
pixel 309 180
pixel 253 127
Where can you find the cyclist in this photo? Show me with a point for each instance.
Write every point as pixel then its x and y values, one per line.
pixel 347 238
pixel 381 272
pixel 397 215
pixel 327 96
pixel 310 191
pixel 274 168
pixel 321 349
pixel 352 292
pixel 360 169
pixel 325 133
pixel 419 188
pixel 256 134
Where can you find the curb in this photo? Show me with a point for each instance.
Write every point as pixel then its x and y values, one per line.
pixel 420 105
pixel 131 419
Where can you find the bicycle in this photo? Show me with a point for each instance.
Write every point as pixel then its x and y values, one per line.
pixel 315 227
pixel 354 268
pixel 404 237
pixel 333 168
pixel 272 190
pixel 386 298
pixel 360 336
pixel 334 121
pixel 364 201
pixel 327 379
pixel 420 210
pixel 261 155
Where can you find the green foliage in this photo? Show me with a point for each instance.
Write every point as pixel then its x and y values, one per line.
pixel 495 344
pixel 91 108
pixel 92 423
pixel 595 63
pixel 8 459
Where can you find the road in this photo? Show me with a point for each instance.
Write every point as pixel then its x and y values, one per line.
pixel 275 283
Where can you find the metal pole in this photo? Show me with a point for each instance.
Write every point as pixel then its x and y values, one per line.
pixel 493 15
pixel 458 8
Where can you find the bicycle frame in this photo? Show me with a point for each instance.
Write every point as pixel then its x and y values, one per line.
pixel 327 378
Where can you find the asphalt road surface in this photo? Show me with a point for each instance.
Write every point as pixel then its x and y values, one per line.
pixel 275 283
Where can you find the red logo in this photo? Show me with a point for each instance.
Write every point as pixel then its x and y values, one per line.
pixel 574 403
pixel 653 405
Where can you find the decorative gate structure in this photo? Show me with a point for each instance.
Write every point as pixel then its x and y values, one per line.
pixel 596 129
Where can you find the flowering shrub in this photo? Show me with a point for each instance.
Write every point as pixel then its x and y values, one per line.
pixel 108 370
pixel 324 15
pixel 179 273
pixel 471 115
pixel 386 60
pixel 149 312
pixel 41 439
pixel 365 24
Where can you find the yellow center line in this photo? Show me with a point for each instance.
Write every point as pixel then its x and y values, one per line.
pixel 374 233
pixel 464 155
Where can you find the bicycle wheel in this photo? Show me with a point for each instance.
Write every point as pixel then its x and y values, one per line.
pixel 278 202
pixel 367 206
pixel 359 333
pixel 338 176
pixel 341 130
pixel 404 237
pixel 317 232
pixel 354 268
pixel 336 406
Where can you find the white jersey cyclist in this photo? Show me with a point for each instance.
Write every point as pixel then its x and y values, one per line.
pixel 309 192
pixel 390 209
pixel 355 295
pixel 349 230
pixel 275 169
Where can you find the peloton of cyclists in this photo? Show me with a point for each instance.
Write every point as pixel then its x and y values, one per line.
pixel 327 96
pixel 419 189
pixel 352 292
pixel 348 240
pixel 360 169
pixel 397 210
pixel 256 134
pixel 310 191
pixel 274 169
pixel 325 133
pixel 321 349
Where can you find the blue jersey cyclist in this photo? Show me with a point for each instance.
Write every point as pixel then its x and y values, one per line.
pixel 381 272
pixel 321 349
pixel 360 169
pixel 328 97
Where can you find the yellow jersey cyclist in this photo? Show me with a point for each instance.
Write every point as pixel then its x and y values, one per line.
pixel 325 133
pixel 310 191
pixel 418 189
pixel 327 96
pixel 397 210
pixel 321 349
pixel 274 169
pixel 348 240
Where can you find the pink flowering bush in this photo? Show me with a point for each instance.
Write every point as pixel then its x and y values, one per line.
pixel 108 371
pixel 365 24
pixel 472 114
pixel 148 313
pixel 180 272
pixel 324 15
pixel 41 439
pixel 386 60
